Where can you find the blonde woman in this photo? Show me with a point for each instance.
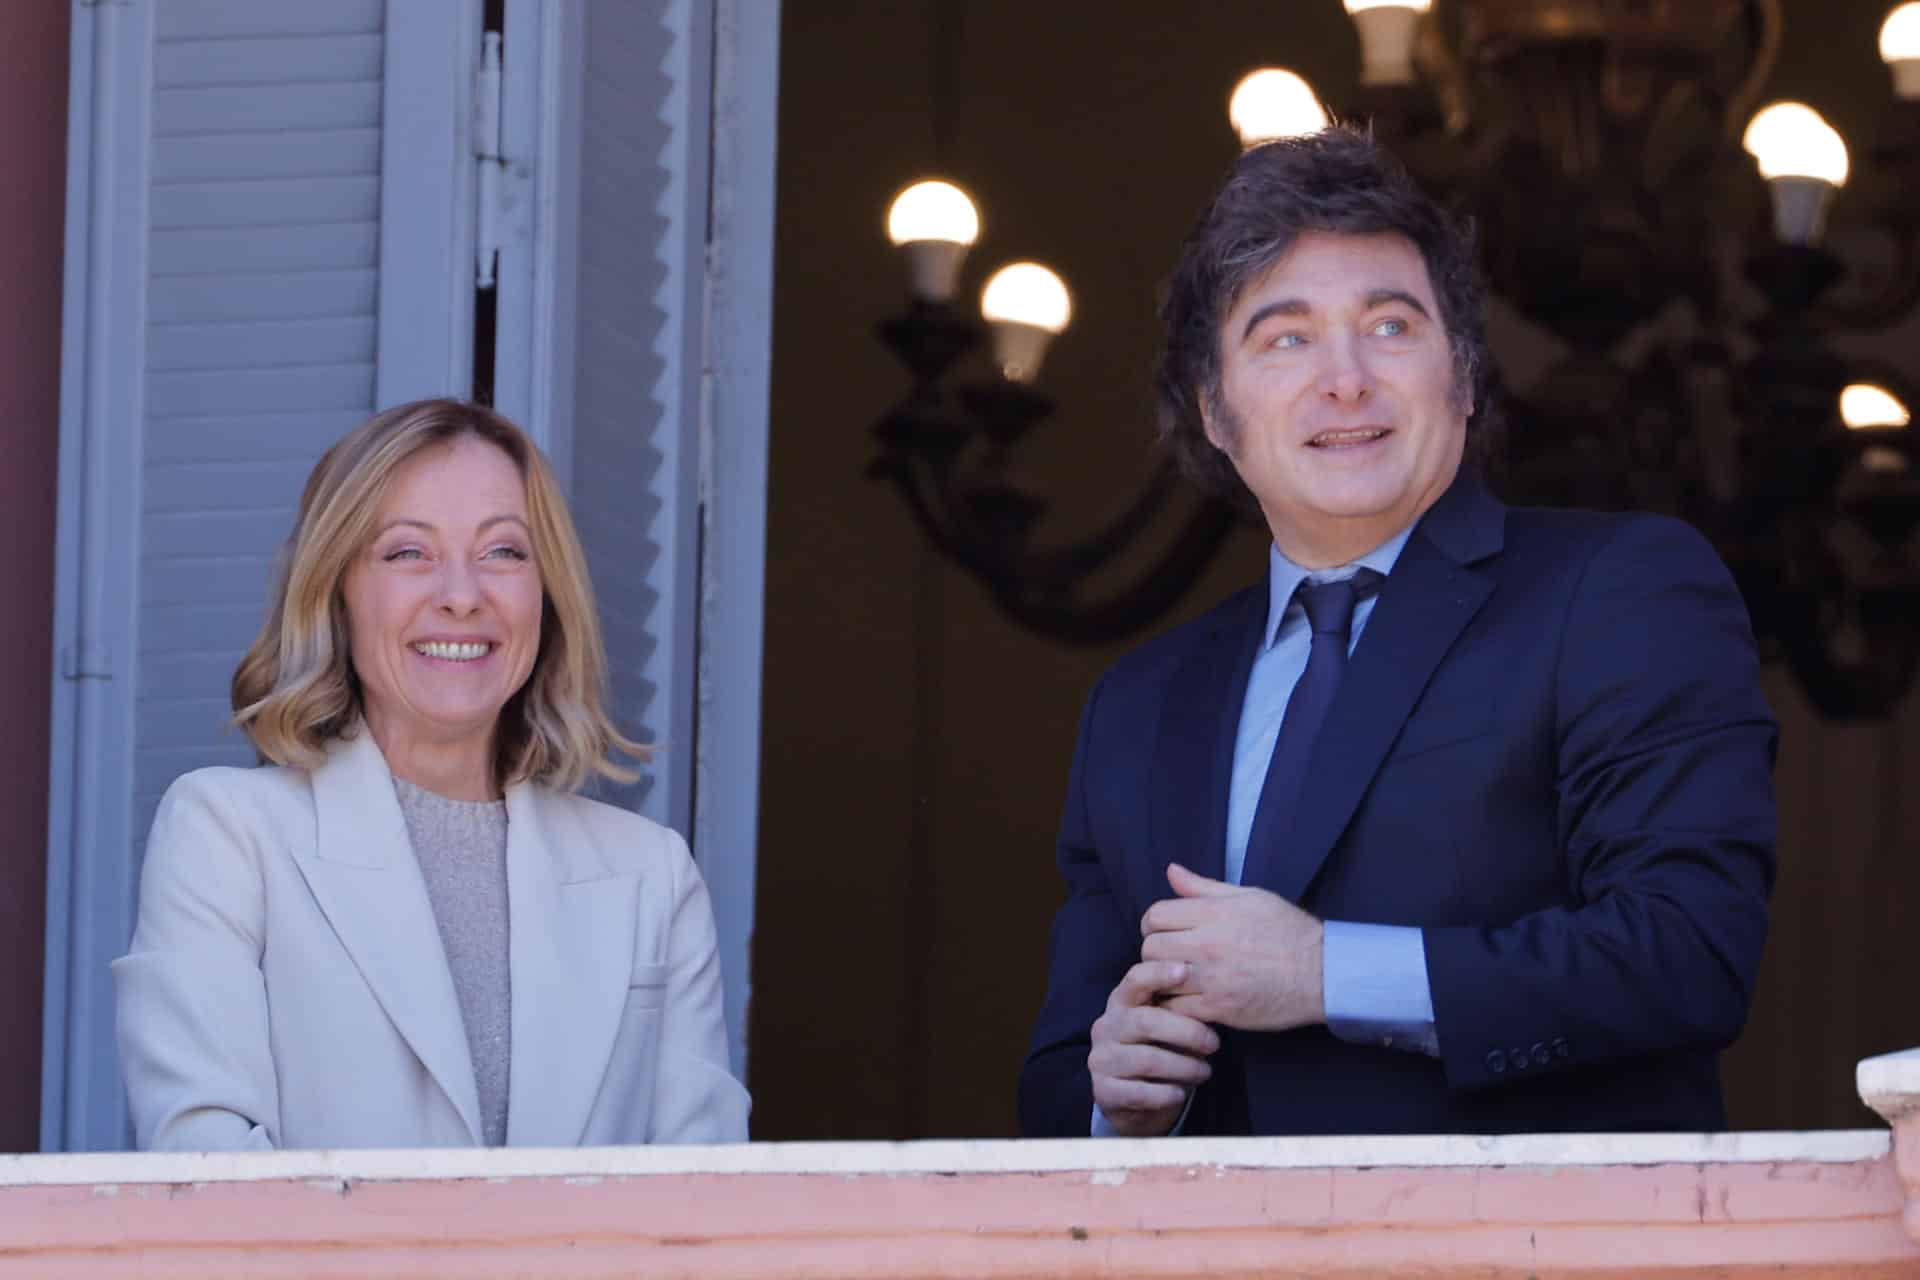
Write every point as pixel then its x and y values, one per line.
pixel 408 930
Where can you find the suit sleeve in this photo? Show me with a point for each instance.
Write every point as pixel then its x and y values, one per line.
pixel 190 1001
pixel 1666 825
pixel 695 1096
pixel 1093 946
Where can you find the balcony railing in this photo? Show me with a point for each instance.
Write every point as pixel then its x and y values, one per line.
pixel 1779 1204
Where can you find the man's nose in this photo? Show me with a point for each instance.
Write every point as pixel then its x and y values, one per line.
pixel 1344 377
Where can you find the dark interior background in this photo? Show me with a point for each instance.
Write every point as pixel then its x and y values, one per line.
pixel 916 743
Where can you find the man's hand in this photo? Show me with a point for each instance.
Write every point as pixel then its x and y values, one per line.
pixel 1253 958
pixel 1145 1058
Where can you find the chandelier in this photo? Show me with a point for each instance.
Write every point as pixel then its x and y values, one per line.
pixel 1610 152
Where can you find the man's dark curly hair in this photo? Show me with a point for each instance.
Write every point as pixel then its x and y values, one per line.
pixel 1338 180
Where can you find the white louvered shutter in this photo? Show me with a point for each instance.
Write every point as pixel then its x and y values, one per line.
pixel 269 237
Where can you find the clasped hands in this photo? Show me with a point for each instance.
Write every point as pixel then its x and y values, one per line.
pixel 1219 954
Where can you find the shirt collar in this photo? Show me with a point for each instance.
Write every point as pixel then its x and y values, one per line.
pixel 1284 576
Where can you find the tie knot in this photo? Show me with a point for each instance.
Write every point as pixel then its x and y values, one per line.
pixel 1329 605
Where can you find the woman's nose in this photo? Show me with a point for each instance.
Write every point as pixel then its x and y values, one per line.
pixel 459 590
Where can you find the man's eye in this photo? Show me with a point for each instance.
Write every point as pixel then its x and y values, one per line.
pixel 1288 340
pixel 1391 328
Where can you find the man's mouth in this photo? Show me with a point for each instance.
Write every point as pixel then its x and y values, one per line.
pixel 1348 437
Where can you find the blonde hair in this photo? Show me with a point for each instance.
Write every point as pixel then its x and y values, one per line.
pixel 296 691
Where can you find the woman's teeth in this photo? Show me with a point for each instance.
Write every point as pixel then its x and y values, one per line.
pixel 452 652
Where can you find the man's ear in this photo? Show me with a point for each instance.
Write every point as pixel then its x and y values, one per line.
pixel 1210 423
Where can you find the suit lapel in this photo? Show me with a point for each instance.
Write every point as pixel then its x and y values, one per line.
pixel 1193 744
pixel 571 949
pixel 1428 600
pixel 363 874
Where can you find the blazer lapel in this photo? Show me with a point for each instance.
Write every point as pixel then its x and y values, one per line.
pixel 571 952
pixel 1193 745
pixel 1428 600
pixel 363 874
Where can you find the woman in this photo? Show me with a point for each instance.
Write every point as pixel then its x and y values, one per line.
pixel 408 931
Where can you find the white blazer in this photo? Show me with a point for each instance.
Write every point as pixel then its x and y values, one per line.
pixel 287 987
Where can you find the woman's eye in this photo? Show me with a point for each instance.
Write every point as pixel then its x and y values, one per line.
pixel 506 552
pixel 403 553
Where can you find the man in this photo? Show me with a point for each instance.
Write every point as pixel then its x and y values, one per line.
pixel 1459 822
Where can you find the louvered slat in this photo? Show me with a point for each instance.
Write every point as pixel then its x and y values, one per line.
pixel 262 330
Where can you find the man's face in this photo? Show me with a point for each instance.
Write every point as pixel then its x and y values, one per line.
pixel 1338 401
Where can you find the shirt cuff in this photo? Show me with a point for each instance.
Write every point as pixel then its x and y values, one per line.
pixel 1103 1128
pixel 1375 987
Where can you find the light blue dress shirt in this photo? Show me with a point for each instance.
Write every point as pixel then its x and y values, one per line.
pixel 1373 977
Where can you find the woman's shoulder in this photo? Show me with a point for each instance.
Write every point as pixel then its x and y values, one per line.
pixel 266 791
pixel 630 840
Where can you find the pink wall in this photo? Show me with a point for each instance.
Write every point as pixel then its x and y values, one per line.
pixel 33 134
pixel 1324 1207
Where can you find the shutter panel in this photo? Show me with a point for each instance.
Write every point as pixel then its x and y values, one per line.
pixel 634 318
pixel 600 329
pixel 291 212
pixel 633 445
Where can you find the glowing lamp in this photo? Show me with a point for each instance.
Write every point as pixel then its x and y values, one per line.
pixel 1026 305
pixel 1274 103
pixel 933 223
pixel 1804 161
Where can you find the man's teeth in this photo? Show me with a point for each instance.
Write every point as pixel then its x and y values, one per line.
pixel 1349 437
pixel 453 652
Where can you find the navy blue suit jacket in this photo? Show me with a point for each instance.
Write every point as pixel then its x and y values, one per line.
pixel 1550 752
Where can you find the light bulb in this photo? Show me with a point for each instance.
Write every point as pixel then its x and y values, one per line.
pixel 1026 304
pixel 1900 49
pixel 1866 405
pixel 1791 140
pixel 1027 293
pixel 1804 162
pixel 933 223
pixel 933 211
pixel 1272 103
pixel 1387 29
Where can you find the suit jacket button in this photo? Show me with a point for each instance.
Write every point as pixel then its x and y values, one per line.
pixel 1560 1047
pixel 1542 1055
pixel 1497 1062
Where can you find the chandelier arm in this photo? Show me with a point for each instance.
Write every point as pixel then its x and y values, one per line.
pixel 1856 691
pixel 934 513
pixel 1772 30
pixel 1892 303
pixel 1134 607
pixel 1066 563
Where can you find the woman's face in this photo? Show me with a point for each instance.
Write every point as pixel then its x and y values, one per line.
pixel 444 604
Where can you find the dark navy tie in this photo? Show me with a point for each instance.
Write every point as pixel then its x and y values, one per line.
pixel 1329 607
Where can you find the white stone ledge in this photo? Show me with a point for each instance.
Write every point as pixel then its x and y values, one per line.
pixel 1890 1083
pixel 855 1158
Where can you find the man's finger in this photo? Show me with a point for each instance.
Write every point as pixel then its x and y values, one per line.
pixel 1147 980
pixel 1175 946
pixel 1191 884
pixel 1165 1026
pixel 1194 1008
pixel 1170 914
